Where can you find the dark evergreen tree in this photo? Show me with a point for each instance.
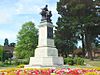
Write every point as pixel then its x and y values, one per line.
pixel 65 35
pixel 77 17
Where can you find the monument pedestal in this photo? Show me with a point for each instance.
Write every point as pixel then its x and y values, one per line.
pixel 46 56
pixel 46 53
pixel 45 61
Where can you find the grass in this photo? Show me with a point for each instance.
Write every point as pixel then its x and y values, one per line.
pixel 95 62
pixel 6 65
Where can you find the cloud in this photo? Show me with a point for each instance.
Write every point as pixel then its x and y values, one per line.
pixel 21 9
pixel 4 17
pixel 6 14
pixel 53 7
pixel 33 1
pixel 30 6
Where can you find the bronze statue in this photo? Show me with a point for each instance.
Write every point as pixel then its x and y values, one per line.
pixel 46 14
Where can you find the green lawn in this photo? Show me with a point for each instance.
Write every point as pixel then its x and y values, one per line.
pixel 95 62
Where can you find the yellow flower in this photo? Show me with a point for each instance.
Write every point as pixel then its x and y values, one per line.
pixel 53 74
pixel 91 73
pixel 11 73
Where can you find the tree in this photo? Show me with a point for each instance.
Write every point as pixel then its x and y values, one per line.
pixel 80 15
pixel 1 53
pixel 91 26
pixel 7 56
pixel 65 35
pixel 26 40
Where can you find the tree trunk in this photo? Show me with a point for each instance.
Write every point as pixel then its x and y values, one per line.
pixel 83 45
pixel 88 45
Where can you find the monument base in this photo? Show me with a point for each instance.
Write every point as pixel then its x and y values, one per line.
pixel 52 67
pixel 45 57
pixel 48 62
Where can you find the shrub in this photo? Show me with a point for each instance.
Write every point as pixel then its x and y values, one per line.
pixel 79 61
pixel 72 61
pixel 69 61
pixel 65 60
pixel 21 61
pixel 1 64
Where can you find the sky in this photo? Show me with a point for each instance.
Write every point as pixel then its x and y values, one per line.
pixel 14 13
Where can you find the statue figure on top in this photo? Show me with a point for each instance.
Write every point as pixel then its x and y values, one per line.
pixel 46 14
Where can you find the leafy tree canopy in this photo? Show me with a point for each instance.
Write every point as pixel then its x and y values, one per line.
pixel 26 40
pixel 1 52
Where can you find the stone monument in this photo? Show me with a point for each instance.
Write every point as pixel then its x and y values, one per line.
pixel 46 53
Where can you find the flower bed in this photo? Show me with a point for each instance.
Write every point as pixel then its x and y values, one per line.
pixel 47 71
